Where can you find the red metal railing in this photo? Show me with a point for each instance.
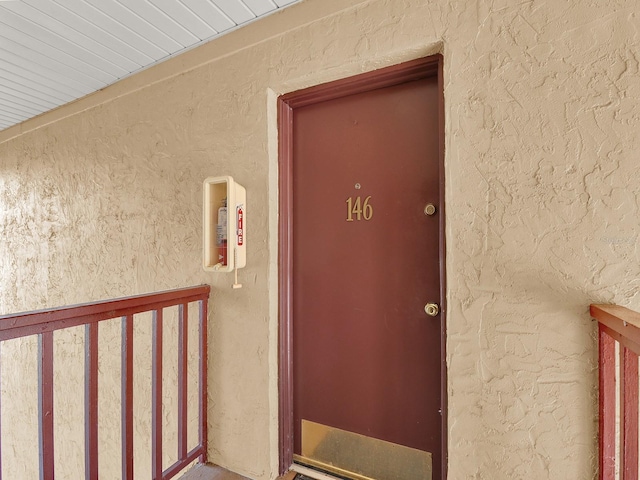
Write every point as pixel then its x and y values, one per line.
pixel 44 323
pixel 619 329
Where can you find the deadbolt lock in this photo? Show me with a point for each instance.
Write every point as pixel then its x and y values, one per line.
pixel 432 309
pixel 429 209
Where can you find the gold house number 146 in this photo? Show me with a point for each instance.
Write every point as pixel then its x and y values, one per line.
pixel 358 209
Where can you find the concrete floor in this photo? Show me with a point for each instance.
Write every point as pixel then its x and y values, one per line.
pixel 213 472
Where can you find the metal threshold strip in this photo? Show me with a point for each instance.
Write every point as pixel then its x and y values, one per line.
pixel 358 457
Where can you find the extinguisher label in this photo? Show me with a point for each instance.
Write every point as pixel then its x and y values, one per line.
pixel 240 224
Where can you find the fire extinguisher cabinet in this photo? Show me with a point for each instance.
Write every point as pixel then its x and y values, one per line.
pixel 224 225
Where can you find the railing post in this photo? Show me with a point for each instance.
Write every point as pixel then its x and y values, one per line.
pixel 127 397
pixel 156 401
pixel 629 413
pixel 607 401
pixel 203 380
pixel 183 319
pixel 45 405
pixel 91 401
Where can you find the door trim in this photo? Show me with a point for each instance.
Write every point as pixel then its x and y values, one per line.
pixel 385 77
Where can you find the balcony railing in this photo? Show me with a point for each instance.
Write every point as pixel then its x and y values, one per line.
pixel 619 347
pixel 44 323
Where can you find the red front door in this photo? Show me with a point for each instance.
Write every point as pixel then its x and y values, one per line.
pixel 366 253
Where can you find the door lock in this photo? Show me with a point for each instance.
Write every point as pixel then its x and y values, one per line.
pixel 432 309
pixel 430 209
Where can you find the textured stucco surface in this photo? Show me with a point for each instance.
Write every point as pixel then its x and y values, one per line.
pixel 102 198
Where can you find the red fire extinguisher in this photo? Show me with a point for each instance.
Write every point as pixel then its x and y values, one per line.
pixel 221 236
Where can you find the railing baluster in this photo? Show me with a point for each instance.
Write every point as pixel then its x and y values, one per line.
pixel 607 401
pixel 183 318
pixel 45 405
pixel 202 393
pixel 91 401
pixel 156 401
pixel 127 397
pixel 629 413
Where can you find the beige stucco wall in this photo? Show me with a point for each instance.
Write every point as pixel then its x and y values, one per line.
pixel 102 198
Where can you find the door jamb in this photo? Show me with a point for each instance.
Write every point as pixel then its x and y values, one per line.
pixel 396 74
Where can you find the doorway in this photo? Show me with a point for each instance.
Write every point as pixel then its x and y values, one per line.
pixel 362 360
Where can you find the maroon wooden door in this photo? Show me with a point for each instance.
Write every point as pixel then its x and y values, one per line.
pixel 365 261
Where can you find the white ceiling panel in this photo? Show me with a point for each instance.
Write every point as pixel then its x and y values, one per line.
pixel 185 17
pixel 57 47
pixel 19 66
pixel 163 22
pixel 60 21
pixel 55 51
pixel 260 7
pixel 144 32
pixel 84 74
pixel 42 89
pixel 237 11
pixel 139 49
pixel 57 60
pixel 284 3
pixel 18 106
pixel 34 102
pixel 70 26
pixel 13 117
pixel 210 14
